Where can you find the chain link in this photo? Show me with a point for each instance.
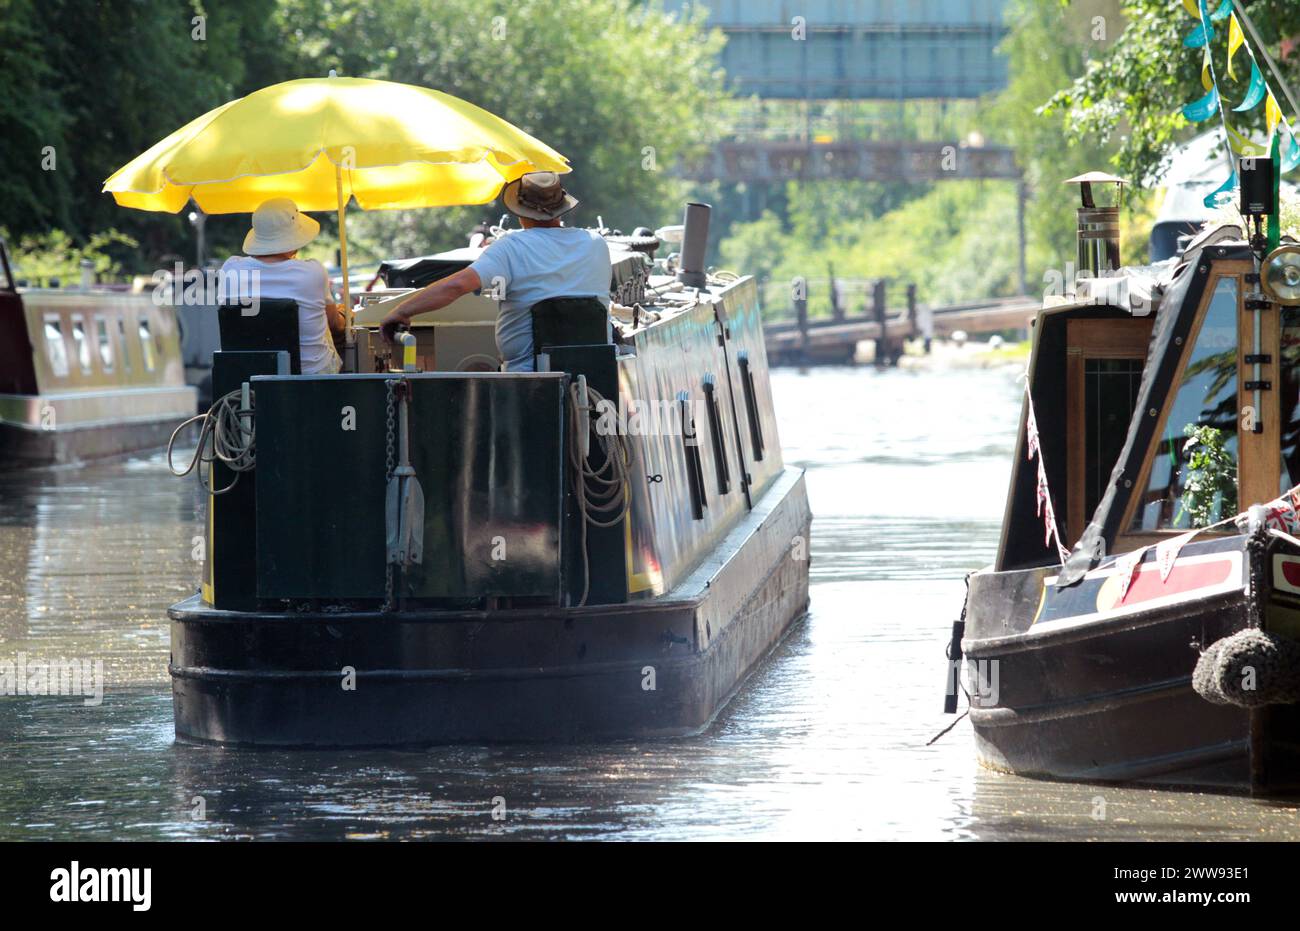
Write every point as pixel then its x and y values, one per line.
pixel 391 386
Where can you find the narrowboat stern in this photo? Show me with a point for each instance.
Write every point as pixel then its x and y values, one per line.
pixel 603 548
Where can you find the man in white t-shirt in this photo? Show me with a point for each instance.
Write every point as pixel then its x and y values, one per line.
pixel 543 260
pixel 270 269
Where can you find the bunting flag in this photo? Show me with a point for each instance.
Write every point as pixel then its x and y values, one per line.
pixel 1244 146
pixel 1127 566
pixel 1222 194
pixel 1291 157
pixel 1236 38
pixel 1031 433
pixel 1272 113
pixel 1219 15
pixel 1167 552
pixel 1256 92
pixel 1284 513
pixel 1044 493
pixel 1287 152
pixel 1198 111
pixel 1049 514
pixel 1203 34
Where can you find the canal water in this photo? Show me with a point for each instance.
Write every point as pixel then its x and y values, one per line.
pixel 907 475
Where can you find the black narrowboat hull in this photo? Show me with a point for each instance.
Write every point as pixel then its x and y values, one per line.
pixel 23 447
pixel 653 668
pixel 1083 688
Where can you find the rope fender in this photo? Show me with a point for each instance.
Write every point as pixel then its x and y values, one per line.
pixel 1249 668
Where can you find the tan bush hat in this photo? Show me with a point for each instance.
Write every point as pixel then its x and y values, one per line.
pixel 538 195
pixel 279 226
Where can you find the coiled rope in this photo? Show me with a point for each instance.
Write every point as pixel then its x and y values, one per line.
pixel 602 492
pixel 222 436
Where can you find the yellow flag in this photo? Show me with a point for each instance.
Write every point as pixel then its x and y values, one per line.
pixel 1207 77
pixel 1192 7
pixel 1236 38
pixel 1242 145
pixel 1272 113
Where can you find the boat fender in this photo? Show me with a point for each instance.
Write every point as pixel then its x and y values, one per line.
pixel 1249 668
pixel 952 679
pixel 954 667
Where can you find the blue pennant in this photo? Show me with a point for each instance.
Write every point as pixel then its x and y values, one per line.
pixel 1291 158
pixel 1203 32
pixel 1223 12
pixel 1196 38
pixel 1212 200
pixel 1255 93
pixel 1199 111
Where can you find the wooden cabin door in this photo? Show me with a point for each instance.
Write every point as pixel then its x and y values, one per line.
pixel 1103 361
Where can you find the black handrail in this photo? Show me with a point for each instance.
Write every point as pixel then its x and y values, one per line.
pixel 751 405
pixel 716 433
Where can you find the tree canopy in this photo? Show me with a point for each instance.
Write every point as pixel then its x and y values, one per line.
pixel 1133 94
pixel 620 87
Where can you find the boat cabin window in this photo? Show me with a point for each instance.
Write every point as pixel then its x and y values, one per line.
pixel 105 343
pixel 56 350
pixel 1110 389
pixel 146 346
pixel 1193 473
pixel 121 341
pixel 82 344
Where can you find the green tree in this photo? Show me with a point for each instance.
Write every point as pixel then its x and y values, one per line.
pixel 86 85
pixel 1050 43
pixel 1133 93
pixel 621 88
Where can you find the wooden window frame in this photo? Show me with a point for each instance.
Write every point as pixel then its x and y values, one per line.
pixel 1258 454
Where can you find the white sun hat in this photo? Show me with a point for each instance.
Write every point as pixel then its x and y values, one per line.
pixel 279 226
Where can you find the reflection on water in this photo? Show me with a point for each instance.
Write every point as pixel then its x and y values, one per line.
pixel 907 475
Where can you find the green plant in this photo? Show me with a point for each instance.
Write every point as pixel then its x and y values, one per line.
pixel 1210 490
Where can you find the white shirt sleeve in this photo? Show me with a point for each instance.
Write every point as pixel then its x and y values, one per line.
pixel 493 268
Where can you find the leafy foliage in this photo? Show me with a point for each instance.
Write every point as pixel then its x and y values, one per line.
pixel 1133 93
pixel 618 87
pixel 98 83
pixel 40 258
pixel 1210 489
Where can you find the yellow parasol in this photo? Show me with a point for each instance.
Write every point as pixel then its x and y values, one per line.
pixel 322 141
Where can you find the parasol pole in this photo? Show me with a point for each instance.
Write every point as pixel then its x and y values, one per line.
pixel 343 253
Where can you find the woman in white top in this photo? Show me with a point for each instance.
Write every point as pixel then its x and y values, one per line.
pixel 270 269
